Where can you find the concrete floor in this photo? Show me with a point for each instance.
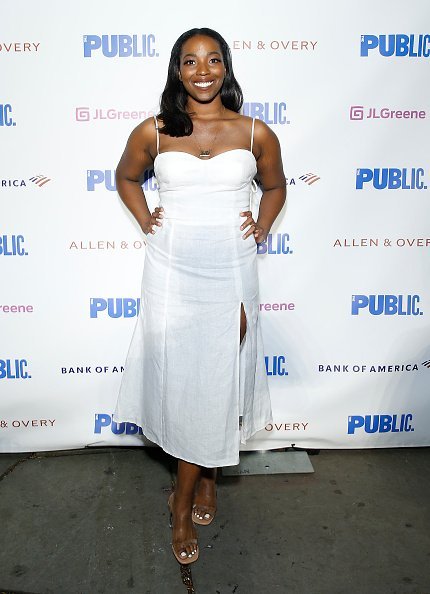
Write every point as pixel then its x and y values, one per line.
pixel 95 522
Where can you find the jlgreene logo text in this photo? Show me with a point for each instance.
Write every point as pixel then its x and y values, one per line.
pixel 396 45
pixel 85 114
pixel 120 46
pixel 359 112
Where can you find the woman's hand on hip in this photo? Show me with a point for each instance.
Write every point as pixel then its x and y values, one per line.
pixel 254 228
pixel 154 221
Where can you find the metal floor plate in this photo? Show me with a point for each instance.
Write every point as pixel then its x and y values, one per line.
pixel 270 463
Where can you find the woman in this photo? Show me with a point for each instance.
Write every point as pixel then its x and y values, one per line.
pixel 195 378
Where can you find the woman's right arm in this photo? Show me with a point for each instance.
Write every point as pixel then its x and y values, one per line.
pixel 135 160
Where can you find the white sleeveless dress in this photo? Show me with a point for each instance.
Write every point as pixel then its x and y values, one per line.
pixel 187 381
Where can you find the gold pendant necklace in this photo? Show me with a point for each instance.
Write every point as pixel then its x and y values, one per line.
pixel 206 153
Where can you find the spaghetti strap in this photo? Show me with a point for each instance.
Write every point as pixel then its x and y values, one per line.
pixel 158 134
pixel 252 133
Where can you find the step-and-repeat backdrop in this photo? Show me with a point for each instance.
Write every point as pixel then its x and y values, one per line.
pixel 344 273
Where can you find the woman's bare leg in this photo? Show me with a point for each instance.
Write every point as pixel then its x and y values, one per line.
pixel 183 527
pixel 242 323
pixel 205 497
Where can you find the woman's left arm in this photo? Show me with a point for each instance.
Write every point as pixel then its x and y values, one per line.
pixel 271 174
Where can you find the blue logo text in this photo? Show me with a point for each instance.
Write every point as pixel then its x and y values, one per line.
pixel 412 46
pixel 14 369
pixel 380 423
pixel 121 46
pixel 6 115
pixel 276 365
pixel 103 420
pixel 275 244
pixel 12 245
pixel 270 113
pixel 106 178
pixel 390 178
pixel 387 305
pixel 115 307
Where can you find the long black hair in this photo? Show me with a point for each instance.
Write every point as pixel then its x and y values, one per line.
pixel 176 121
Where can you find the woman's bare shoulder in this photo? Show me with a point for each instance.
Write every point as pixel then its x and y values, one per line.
pixel 239 124
pixel 146 127
pixel 261 128
pixel 263 132
pixel 238 118
pixel 144 134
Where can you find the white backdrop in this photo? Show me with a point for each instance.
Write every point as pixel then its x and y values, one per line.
pixel 344 275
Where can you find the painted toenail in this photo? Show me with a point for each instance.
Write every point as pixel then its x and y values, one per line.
pixel 183 554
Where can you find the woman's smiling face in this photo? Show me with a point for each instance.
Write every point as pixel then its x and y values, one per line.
pixel 201 68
